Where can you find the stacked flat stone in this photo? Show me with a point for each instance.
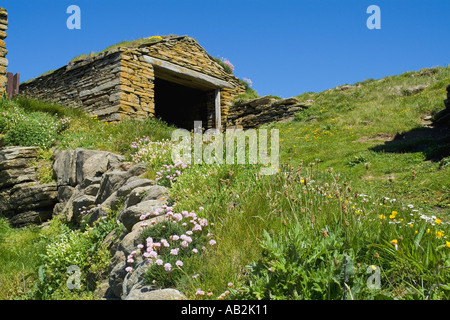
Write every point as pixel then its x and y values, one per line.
pixel 23 199
pixel 442 118
pixel 254 113
pixel 3 51
pixel 119 84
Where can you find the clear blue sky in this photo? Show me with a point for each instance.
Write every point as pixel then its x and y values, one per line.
pixel 285 47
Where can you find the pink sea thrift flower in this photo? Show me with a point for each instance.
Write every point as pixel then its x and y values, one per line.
pixel 159 262
pixel 165 243
pixel 212 242
pixel 179 263
pixel 200 292
pixel 167 267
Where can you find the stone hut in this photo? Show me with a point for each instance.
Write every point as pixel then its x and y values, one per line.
pixel 3 51
pixel 171 77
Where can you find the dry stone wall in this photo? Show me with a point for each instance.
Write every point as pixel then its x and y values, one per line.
pixel 93 85
pixel 3 51
pixel 186 52
pixel 119 84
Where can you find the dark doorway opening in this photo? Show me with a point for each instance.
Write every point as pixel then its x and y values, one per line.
pixel 180 105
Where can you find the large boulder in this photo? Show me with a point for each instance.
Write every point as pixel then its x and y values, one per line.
pixel 72 167
pixel 81 206
pixel 31 218
pixel 22 196
pixel 93 163
pixel 142 194
pixel 64 167
pixel 33 196
pixel 16 157
pixel 111 181
pixel 116 197
pixel 13 176
pixel 131 215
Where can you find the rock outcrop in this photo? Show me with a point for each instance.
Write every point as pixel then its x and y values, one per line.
pixel 256 112
pixel 23 199
pixel 89 183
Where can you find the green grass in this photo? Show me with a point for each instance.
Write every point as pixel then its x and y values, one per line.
pixel 20 251
pixel 123 44
pixel 74 129
pixel 361 122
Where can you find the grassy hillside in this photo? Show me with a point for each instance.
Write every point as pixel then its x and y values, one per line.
pixel 364 188
pixel 374 132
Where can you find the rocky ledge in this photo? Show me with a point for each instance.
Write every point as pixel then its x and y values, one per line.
pixel 89 183
pixel 23 199
pixel 256 112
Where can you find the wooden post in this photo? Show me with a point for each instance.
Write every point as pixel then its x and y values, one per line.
pixel 16 84
pixel 12 86
pixel 218 111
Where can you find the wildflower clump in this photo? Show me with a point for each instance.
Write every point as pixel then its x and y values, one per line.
pixel 169 245
pixel 151 152
pixel 169 173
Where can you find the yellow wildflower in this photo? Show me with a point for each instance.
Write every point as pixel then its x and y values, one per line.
pixel 438 221
pixel 382 217
pixel 439 234
pixel 447 243
pixel 394 242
